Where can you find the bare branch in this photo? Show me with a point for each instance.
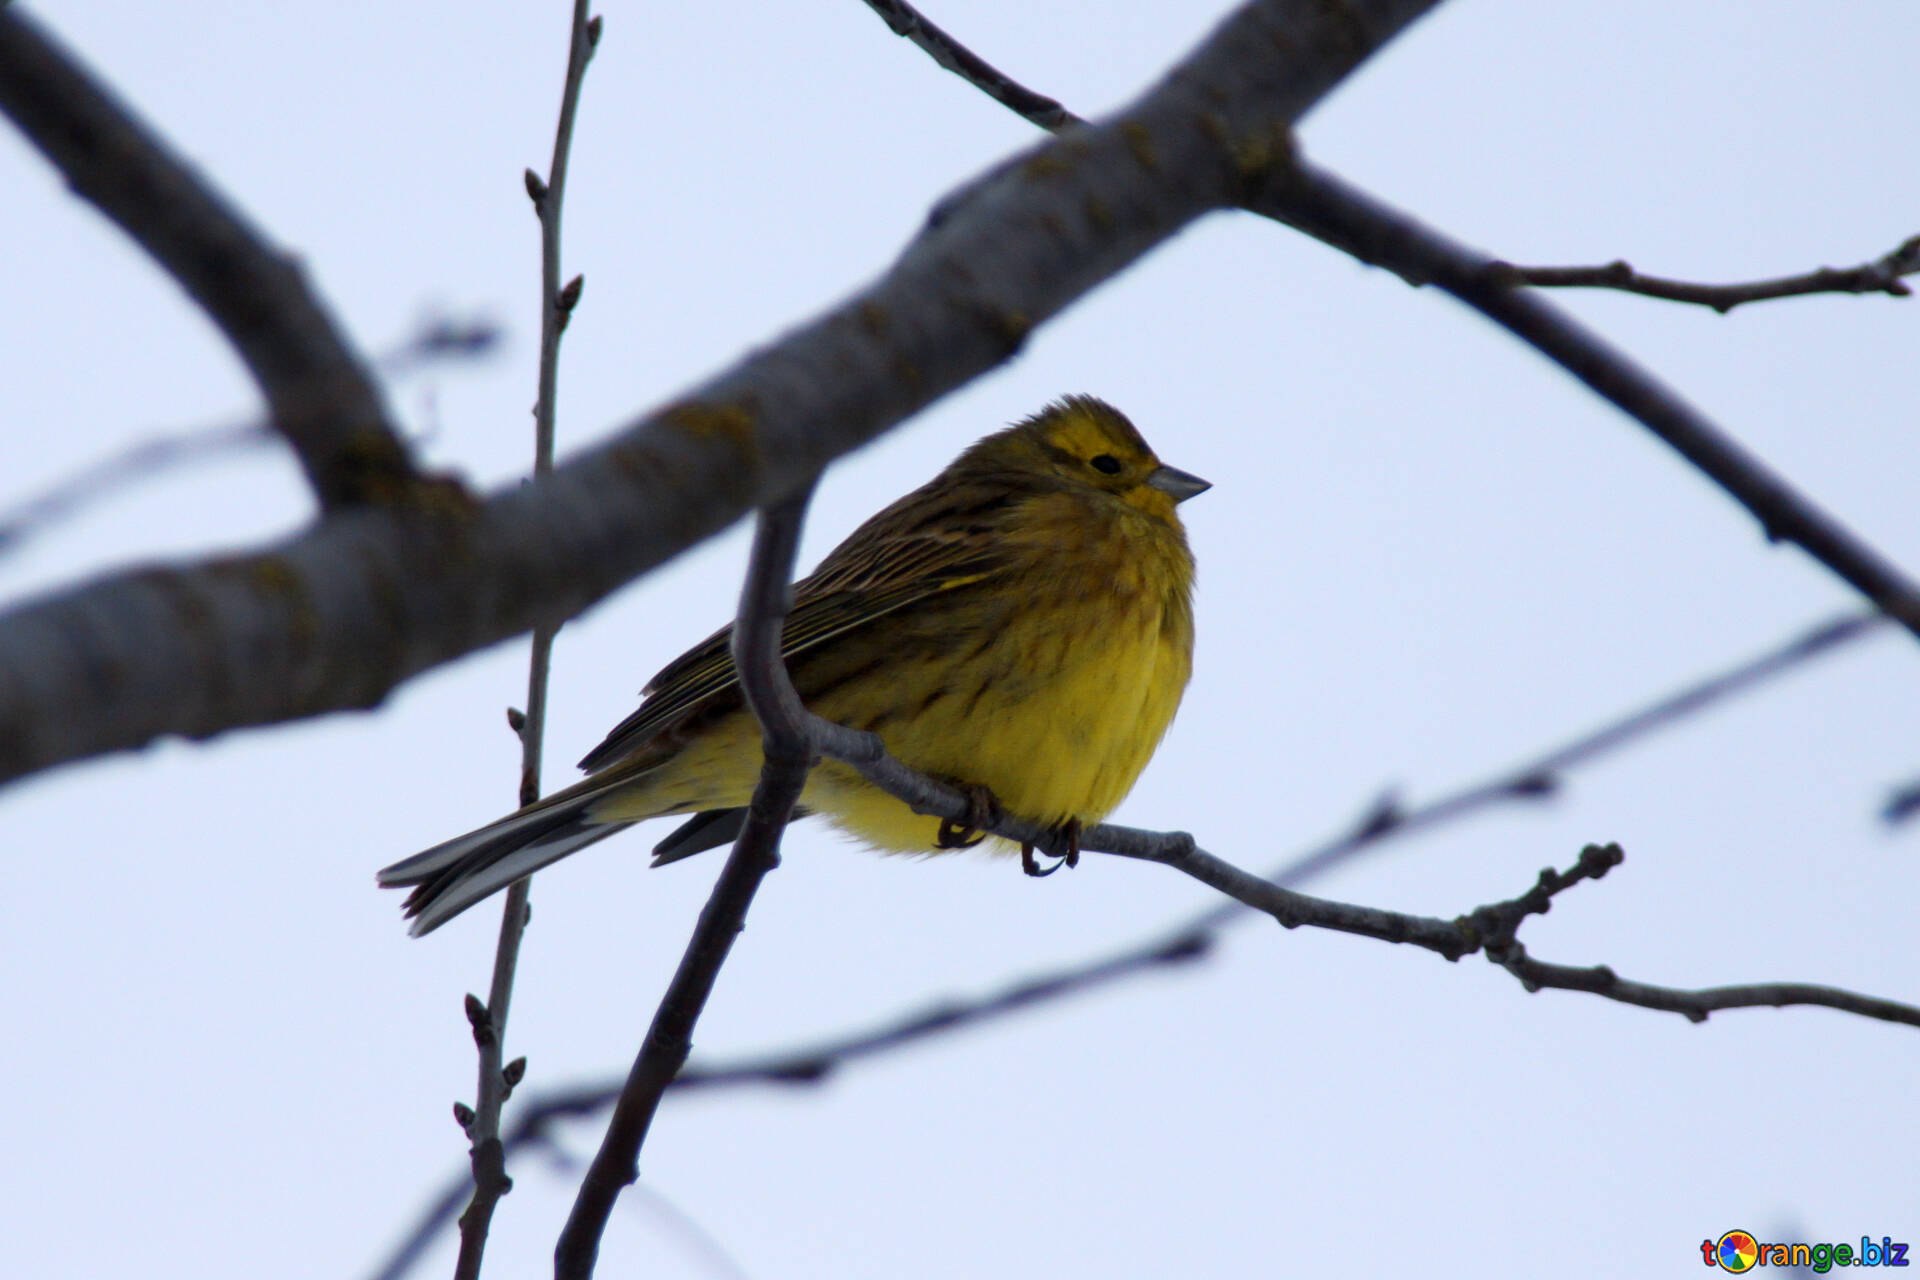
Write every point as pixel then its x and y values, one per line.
pixel 1177 849
pixel 487 1157
pixel 1328 208
pixel 1541 777
pixel 1491 929
pixel 1902 804
pixel 318 393
pixel 1317 201
pixel 1188 940
pixel 338 617
pixel 789 758
pixel 1885 274
pixel 142 461
pixel 1037 108
pixel 535 1118
pixel 1695 1005
pixel 440 338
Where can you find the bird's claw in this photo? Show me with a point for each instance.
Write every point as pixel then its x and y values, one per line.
pixel 983 810
pixel 1070 834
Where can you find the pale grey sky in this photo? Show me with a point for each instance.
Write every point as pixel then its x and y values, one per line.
pixel 1428 554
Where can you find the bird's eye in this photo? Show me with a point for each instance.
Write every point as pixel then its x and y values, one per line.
pixel 1106 462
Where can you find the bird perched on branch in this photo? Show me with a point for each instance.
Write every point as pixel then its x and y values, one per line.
pixel 1022 625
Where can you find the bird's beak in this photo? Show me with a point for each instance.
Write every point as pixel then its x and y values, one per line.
pixel 1178 484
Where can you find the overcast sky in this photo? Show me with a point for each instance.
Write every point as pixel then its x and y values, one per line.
pixel 1428 555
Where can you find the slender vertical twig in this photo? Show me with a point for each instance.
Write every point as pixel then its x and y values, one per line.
pixel 788 746
pixel 497 1078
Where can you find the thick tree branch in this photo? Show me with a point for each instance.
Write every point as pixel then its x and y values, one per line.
pixel 339 617
pixel 318 392
pixel 496 1077
pixel 1885 274
pixel 789 758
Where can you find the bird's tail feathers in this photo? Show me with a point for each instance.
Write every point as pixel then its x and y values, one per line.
pixel 450 877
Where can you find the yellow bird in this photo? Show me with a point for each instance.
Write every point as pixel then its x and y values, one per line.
pixel 1022 625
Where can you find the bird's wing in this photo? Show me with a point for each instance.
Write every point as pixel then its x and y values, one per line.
pixel 873 573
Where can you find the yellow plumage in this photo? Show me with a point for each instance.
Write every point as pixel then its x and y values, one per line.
pixel 1021 623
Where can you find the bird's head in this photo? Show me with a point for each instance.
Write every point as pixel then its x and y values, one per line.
pixel 1083 443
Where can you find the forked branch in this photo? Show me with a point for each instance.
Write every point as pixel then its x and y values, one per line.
pixel 318 391
pixel 789 758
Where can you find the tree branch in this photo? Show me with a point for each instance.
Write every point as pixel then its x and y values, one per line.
pixel 497 1079
pixel 1542 776
pixel 438 339
pixel 1490 928
pixel 318 393
pixel 1191 939
pixel 789 758
pixel 1318 201
pixel 1322 205
pixel 1902 804
pixel 1882 275
pixel 1035 108
pixel 337 618
pixel 1885 274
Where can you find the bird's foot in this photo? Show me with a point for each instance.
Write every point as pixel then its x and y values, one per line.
pixel 1070 836
pixel 983 810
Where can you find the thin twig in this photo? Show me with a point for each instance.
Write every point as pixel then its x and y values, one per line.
pixel 536 1115
pixel 144 460
pixel 1376 233
pixel 910 23
pixel 497 1078
pixel 1885 274
pixel 1541 777
pixel 318 392
pixel 440 338
pixel 437 339
pixel 1177 849
pixel 789 758
pixel 1902 804
pixel 1694 1005
pixel 1491 929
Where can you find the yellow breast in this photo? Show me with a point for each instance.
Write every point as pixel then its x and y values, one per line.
pixel 1054 700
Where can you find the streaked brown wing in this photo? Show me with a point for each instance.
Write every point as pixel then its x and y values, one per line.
pixel 913 550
